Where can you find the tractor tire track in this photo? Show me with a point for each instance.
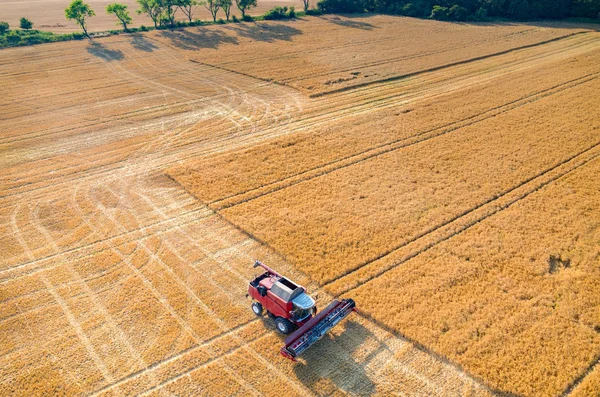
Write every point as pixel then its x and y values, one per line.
pixel 489 208
pixel 377 151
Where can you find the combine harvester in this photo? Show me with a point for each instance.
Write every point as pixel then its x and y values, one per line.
pixel 294 310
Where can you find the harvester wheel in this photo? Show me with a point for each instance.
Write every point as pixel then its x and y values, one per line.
pixel 257 308
pixel 283 325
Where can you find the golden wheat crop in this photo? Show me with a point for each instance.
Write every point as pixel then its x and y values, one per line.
pixel 524 280
pixel 331 224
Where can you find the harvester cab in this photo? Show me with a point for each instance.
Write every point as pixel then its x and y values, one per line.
pixel 293 310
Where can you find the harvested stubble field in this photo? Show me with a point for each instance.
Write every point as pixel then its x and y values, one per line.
pixel 457 204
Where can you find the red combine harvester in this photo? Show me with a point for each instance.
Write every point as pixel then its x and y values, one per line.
pixel 294 310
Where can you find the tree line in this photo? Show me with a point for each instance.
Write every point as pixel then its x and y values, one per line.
pixel 462 10
pixel 161 12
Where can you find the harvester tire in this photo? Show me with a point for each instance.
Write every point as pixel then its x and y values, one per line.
pixel 257 308
pixel 283 325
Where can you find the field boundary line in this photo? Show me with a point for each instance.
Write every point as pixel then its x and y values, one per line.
pixel 577 381
pixel 490 202
pixel 436 68
pixel 387 147
pixel 261 79
pixel 409 57
pixel 320 289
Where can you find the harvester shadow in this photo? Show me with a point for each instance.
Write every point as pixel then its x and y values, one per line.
pixel 139 42
pixel 330 362
pixel 101 51
pixel 193 39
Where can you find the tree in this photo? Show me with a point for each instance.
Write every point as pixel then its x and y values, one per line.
pixel 458 13
pixel 169 9
pixel 244 5
pixel 213 6
pixel 518 9
pixel 26 23
pixel 440 13
pixel 188 7
pixel 585 8
pixel 79 11
pixel 121 12
pixel 153 8
pixel 306 5
pixel 226 6
pixel 3 27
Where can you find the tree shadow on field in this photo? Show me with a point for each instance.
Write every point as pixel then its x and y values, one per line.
pixel 348 22
pixel 329 364
pixel 101 51
pixel 193 39
pixel 139 42
pixel 266 32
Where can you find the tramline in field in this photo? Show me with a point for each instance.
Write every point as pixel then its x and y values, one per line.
pixel 293 309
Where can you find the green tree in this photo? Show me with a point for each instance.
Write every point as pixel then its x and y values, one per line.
pixel 4 27
pixel 154 9
pixel 440 13
pixel 26 23
pixel 79 11
pixel 13 37
pixel 585 8
pixel 226 6
pixel 188 7
pixel 169 8
pixel 458 13
pixel 213 6
pixel 121 12
pixel 244 5
pixel 518 9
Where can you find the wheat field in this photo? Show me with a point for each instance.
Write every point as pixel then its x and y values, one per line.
pixel 442 175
